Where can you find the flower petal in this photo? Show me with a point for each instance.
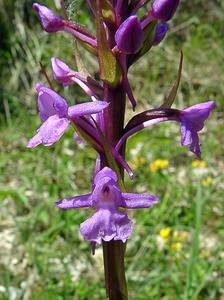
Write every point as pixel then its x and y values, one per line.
pixel 124 230
pixel 129 36
pixel 185 134
pixel 61 71
pixel 87 108
pixel 49 132
pixel 75 202
pixel 196 115
pixel 50 103
pixel 139 200
pixel 105 172
pixel 107 225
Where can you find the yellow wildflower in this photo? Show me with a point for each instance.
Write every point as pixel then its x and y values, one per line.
pixel 199 164
pixel 176 246
pixel 165 232
pixel 207 181
pixel 158 164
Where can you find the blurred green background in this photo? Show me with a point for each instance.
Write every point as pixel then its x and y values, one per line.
pixel 177 249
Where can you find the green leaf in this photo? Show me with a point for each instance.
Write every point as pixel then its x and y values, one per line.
pixel 172 95
pixel 110 69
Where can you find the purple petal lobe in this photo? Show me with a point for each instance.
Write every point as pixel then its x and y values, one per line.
pixel 129 36
pixel 164 9
pixel 49 132
pixel 139 200
pixel 50 103
pixel 160 33
pixel 107 225
pixel 192 121
pixel 87 108
pixel 49 20
pixel 197 114
pixel 75 202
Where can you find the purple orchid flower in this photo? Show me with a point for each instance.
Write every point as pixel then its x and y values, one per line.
pixel 108 222
pixel 65 75
pixel 57 115
pixel 53 23
pixel 129 36
pixel 192 121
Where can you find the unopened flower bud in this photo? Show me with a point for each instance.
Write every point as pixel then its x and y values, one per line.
pixel 160 33
pixel 49 20
pixel 129 36
pixel 164 9
pixel 61 71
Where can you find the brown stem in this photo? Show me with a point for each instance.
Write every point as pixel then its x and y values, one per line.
pixel 44 72
pixel 114 251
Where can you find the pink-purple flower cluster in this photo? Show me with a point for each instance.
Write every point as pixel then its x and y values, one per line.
pixel 108 222
pixel 122 38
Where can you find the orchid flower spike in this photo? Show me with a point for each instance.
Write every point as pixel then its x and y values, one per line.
pixel 57 115
pixel 108 222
